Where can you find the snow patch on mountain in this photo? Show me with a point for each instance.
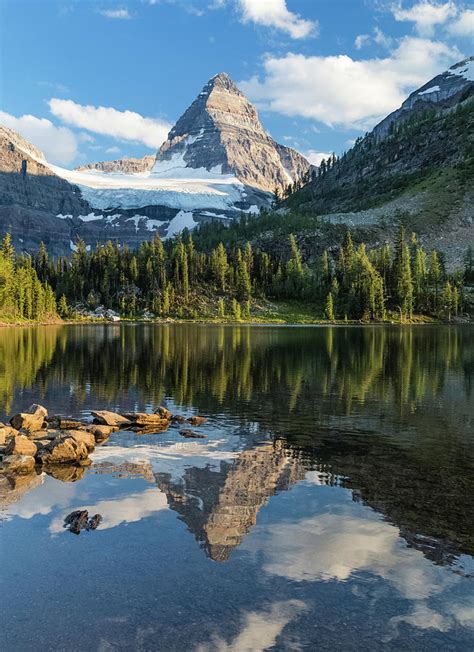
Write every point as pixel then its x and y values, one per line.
pixel 466 70
pixel 183 220
pixel 433 89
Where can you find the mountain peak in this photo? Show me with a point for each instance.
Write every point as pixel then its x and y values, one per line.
pixel 222 81
pixel 221 133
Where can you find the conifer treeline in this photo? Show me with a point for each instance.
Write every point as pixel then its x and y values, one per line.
pixel 167 279
pixel 22 295
pixel 170 279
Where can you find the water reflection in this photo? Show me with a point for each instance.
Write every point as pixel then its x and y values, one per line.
pixel 335 487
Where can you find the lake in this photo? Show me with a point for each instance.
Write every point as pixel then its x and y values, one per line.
pixel 331 505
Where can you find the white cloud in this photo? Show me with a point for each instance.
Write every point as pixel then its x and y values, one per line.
pixel 361 40
pixel 338 90
pixel 260 629
pixel 425 15
pixel 59 144
pixel 315 157
pixel 463 25
pixel 126 125
pixel 115 14
pixel 112 150
pixel 275 13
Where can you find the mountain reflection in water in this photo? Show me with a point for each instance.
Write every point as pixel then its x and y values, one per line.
pixel 332 455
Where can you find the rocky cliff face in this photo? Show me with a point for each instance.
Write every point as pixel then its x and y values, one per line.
pixel 122 165
pixel 221 133
pixel 27 182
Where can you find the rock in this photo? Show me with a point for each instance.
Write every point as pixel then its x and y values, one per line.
pixel 110 418
pixel 196 420
pixel 123 165
pixel 190 434
pixel 27 421
pixel 164 413
pixel 42 434
pixel 69 424
pixel 86 438
pixel 18 464
pixel 178 418
pixel 76 521
pixel 35 408
pixel 20 445
pixel 145 419
pixel 94 522
pixel 62 451
pixel 100 432
pixel 6 432
pixel 79 520
pixel 65 472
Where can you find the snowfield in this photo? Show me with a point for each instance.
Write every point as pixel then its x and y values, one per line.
pixel 188 189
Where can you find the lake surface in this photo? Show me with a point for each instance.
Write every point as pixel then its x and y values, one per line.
pixel 330 507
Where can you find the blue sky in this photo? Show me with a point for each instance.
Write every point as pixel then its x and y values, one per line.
pixel 96 80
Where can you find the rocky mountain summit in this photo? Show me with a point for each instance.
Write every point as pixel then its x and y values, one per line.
pixel 221 133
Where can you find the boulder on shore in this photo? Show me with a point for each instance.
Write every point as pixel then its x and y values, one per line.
pixel 6 432
pixel 110 418
pixel 20 445
pixel 27 421
pixel 81 436
pixel 18 464
pixel 64 424
pixel 62 451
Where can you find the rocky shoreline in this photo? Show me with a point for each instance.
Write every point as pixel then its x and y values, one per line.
pixel 33 443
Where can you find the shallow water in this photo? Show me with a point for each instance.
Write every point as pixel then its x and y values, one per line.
pixel 330 507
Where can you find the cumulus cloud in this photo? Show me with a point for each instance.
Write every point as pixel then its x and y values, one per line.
pixel 275 13
pixel 463 25
pixel 361 40
pixel 59 144
pixel 115 14
pixel 125 125
pixel 338 90
pixel 260 629
pixel 425 15
pixel 315 157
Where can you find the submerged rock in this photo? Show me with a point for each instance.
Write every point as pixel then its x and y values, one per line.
pixel 178 418
pixel 76 521
pixel 196 420
pixel 79 520
pixel 110 418
pixel 18 464
pixel 190 434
